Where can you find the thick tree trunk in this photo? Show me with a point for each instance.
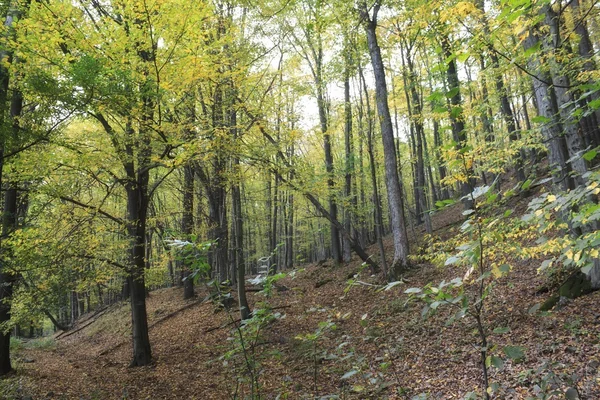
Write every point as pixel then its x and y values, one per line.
pixel 394 188
pixel 9 218
pixel 547 107
pixel 137 205
pixel 586 52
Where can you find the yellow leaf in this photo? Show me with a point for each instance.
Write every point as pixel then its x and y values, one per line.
pixel 569 254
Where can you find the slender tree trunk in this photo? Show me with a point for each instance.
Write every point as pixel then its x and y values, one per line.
pixel 416 114
pixel 187 224
pixel 459 133
pixel 350 199
pixel 394 188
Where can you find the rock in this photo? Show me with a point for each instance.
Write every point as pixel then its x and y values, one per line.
pixel 577 285
pixel 28 360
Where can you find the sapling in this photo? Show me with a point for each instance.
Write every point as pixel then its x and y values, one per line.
pixel 468 294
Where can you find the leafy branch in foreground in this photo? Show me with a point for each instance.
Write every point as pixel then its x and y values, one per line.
pixel 467 296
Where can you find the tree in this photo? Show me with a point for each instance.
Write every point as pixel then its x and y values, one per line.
pixel 394 188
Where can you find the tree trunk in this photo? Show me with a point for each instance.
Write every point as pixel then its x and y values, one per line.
pixel 9 217
pixel 377 209
pixel 350 199
pixel 459 133
pixel 394 188
pixel 187 223
pixel 137 202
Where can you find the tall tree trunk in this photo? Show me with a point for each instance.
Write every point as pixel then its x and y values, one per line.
pixel 350 199
pixel 459 133
pixel 586 52
pixel 9 217
pixel 416 114
pixel 394 188
pixel 377 209
pixel 187 224
pixel 137 202
pixel 238 241
pixel 547 107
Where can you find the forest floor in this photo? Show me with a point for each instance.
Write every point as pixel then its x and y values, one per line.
pixel 396 352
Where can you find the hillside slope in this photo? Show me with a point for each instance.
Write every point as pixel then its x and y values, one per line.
pixel 394 351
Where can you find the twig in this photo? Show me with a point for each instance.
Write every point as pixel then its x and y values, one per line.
pixel 214 328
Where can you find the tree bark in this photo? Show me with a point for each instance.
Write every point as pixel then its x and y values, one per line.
pixel 459 133
pixel 394 188
pixel 349 148
pixel 187 224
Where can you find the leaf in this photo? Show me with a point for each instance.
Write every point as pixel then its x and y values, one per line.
pixel 546 264
pixel 504 268
pixel 594 104
pixel 541 119
pixel 590 155
pixel 452 260
pixel 456 111
pixel 392 284
pixel 413 290
pixel 587 268
pixel 514 352
pixel 452 93
pixel 501 330
pixel 349 374
pixel 497 362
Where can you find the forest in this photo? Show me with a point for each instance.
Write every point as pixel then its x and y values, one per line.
pixel 300 199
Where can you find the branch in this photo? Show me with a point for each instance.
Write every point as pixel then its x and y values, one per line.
pixel 89 207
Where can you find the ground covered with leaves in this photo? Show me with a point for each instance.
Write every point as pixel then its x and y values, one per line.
pixel 335 332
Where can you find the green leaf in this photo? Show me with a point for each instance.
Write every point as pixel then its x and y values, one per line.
pixel 456 111
pixel 349 374
pixel 501 330
pixel 546 264
pixel 526 184
pixel 586 269
pixel 590 155
pixel 462 57
pixel 497 362
pixel 540 119
pixel 452 92
pixel 413 290
pixel 594 104
pixel 452 260
pixel 514 352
